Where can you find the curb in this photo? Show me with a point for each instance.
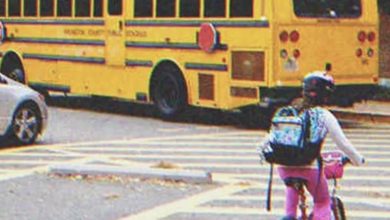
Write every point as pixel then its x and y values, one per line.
pixel 359 116
pixel 188 176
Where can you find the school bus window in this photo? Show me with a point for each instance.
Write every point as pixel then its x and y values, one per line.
pixel 241 8
pixel 98 8
pixel 2 7
pixel 115 7
pixel 214 8
pixel 82 8
pixel 143 8
pixel 189 8
pixel 14 8
pixel 30 8
pixel 165 8
pixel 328 8
pixel 64 8
pixel 46 8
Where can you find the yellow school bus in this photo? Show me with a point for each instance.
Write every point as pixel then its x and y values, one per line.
pixel 222 54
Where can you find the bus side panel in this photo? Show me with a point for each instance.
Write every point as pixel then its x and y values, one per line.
pixel 21 38
pixel 148 45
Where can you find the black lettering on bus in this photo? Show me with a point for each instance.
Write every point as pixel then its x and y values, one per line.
pixel 136 33
pixel 74 32
pixel 96 32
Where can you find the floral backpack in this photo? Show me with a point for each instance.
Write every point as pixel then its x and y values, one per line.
pixel 295 138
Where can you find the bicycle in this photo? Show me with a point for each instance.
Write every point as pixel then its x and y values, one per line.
pixel 334 163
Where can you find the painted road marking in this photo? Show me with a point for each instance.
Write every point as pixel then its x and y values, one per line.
pixel 186 204
pixel 223 150
pixel 155 153
pixel 61 148
pixel 255 211
pixel 217 145
pixel 380 202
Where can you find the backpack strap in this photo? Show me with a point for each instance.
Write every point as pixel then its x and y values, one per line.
pixel 269 189
pixel 307 126
pixel 305 135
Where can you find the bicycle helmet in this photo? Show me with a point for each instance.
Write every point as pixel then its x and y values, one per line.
pixel 318 86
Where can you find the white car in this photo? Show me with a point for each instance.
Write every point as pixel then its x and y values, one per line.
pixel 23 112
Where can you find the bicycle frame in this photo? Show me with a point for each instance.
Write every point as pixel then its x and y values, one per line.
pixel 333 170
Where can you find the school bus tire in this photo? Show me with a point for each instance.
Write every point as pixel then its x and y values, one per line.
pixel 12 67
pixel 169 91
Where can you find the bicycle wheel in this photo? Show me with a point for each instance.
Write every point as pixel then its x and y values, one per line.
pixel 338 212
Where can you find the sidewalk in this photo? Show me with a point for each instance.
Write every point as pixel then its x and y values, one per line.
pixel 377 112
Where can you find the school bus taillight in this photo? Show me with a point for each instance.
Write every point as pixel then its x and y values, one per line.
pixel 283 36
pixel 294 36
pixel 362 36
pixel 371 36
pixel 359 52
pixel 296 53
pixel 248 65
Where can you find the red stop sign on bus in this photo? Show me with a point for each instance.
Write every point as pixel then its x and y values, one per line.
pixel 207 37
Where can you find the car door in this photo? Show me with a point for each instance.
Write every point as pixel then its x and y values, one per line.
pixel 6 106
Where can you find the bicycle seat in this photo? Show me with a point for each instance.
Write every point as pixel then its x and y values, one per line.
pixel 294 181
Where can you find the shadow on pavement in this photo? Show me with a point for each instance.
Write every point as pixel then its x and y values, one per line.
pixel 192 115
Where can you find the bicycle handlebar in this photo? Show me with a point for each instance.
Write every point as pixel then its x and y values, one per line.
pixel 345 160
pixel 334 161
pixel 330 156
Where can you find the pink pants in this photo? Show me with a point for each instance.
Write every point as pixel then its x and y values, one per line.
pixel 319 192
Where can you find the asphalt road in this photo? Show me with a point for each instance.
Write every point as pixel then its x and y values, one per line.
pixel 88 131
pixel 79 119
pixel 29 192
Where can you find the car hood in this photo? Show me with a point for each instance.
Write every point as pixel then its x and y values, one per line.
pixel 18 90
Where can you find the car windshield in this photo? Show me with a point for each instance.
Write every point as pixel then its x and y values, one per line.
pixel 328 8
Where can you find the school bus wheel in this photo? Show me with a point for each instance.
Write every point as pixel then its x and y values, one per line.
pixel 12 67
pixel 169 92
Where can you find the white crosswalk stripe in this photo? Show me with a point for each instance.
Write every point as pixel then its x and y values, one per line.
pixel 231 157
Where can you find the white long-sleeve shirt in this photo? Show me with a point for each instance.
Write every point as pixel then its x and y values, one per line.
pixel 342 142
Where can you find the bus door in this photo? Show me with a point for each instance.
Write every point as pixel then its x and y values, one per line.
pixel 115 33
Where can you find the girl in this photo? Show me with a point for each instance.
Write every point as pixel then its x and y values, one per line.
pixel 317 87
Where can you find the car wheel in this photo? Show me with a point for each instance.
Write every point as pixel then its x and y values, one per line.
pixel 169 93
pixel 26 124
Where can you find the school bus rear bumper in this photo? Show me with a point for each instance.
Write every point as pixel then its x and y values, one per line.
pixel 344 95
